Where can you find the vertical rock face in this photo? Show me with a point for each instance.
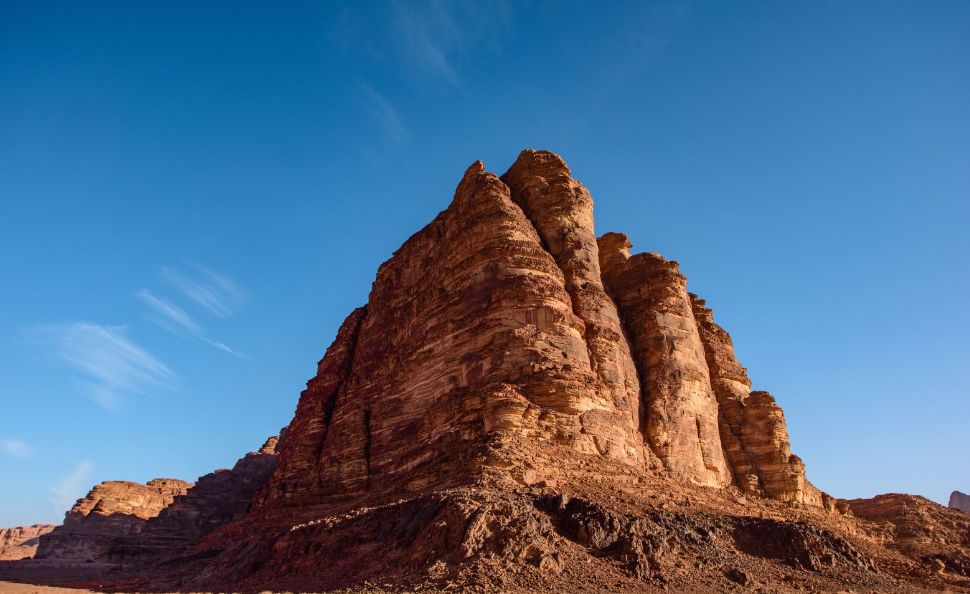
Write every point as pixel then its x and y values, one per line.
pixel 960 501
pixel 681 411
pixel 215 499
pixel 21 542
pixel 561 210
pixel 111 509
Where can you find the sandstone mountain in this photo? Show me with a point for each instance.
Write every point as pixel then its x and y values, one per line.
pixel 960 501
pixel 521 406
pixel 21 542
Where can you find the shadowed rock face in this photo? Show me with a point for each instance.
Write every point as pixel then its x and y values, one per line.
pixel 21 542
pixel 111 509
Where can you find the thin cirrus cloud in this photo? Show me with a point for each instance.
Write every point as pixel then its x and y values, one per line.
pixel 71 487
pixel 386 115
pixel 176 320
pixel 108 364
pixel 15 447
pixel 216 293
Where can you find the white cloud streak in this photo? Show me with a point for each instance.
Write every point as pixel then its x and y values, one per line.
pixel 386 115
pixel 65 493
pixel 175 319
pixel 109 365
pixel 217 293
pixel 15 447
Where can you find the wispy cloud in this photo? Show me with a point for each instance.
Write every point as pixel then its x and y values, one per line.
pixel 217 293
pixel 108 363
pixel 72 487
pixel 15 447
pixel 436 36
pixel 176 320
pixel 428 31
pixel 385 114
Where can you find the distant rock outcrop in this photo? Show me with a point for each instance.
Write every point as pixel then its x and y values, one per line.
pixel 110 510
pixel 920 528
pixel 21 542
pixel 216 498
pixel 960 501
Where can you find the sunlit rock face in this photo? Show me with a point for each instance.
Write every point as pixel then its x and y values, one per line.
pixel 506 319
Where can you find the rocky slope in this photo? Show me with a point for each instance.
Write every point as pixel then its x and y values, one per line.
pixel 21 542
pixel 960 501
pixel 111 509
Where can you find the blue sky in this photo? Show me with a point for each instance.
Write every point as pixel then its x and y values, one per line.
pixel 194 195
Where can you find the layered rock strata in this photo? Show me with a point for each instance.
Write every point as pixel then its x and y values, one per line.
pixel 110 510
pixel 21 542
pixel 681 411
pixel 216 498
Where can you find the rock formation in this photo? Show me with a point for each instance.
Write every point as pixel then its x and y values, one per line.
pixel 215 499
pixel 960 501
pixel 111 509
pixel 21 542
pixel 506 318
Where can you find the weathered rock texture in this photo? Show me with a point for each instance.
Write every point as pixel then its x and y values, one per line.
pixel 960 501
pixel 21 542
pixel 111 509
pixel 681 411
pixel 215 499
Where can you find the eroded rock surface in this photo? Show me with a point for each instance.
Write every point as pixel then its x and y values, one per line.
pixel 21 542
pixel 110 510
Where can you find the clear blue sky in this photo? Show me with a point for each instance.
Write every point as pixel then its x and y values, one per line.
pixel 194 194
